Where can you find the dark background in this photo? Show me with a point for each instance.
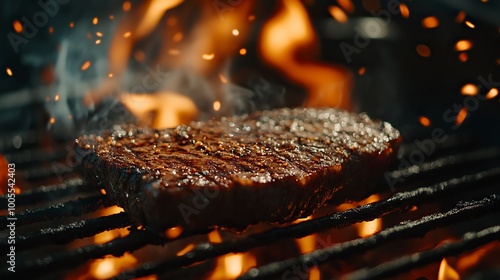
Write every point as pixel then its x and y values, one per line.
pixel 398 85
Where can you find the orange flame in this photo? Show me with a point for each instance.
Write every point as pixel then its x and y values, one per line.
pixel 305 245
pixel 478 259
pixel 111 266
pixel 109 235
pixel 231 266
pixel 365 229
pixel 446 272
pixel 285 39
pixel 160 110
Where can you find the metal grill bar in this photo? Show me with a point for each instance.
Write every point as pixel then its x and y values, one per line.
pixel 462 211
pixel 46 193
pixel 45 172
pixel 445 162
pixel 398 202
pixel 36 156
pixel 71 208
pixel 67 233
pixel 116 247
pixel 469 241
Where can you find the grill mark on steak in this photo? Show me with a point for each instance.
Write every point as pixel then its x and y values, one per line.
pixel 272 166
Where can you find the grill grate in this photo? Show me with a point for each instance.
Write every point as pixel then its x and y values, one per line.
pixel 486 172
pixel 469 241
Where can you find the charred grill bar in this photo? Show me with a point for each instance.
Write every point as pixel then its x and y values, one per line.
pixel 402 201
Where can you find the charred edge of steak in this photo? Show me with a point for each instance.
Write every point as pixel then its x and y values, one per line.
pixel 272 166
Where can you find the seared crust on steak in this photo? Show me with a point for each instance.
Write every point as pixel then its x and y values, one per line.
pixel 271 166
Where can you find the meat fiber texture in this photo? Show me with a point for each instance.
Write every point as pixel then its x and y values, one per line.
pixel 272 166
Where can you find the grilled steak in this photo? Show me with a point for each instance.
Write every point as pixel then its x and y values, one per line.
pixel 271 166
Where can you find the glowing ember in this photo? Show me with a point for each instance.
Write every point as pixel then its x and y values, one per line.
pixel 469 89
pixel 126 6
pixel 98 41
pixel 56 98
pixel 9 72
pixel 492 93
pixel 366 229
pixel 85 65
pixel 462 114
pixel 127 34
pixel 430 22
pixel 235 32
pixel 405 12
pixel 51 30
pixel 337 14
pixel 173 52
pixel 52 120
pixel 111 266
pixel 362 70
pixel 99 34
pixel 463 57
pixel 216 105
pixel 223 79
pixel 208 56
pixel 103 191
pixel 463 45
pixel 243 51
pixel 346 5
pixel 460 17
pixel 95 20
pixel 71 24
pixel 446 272
pixel 290 33
pixel 139 55
pixel 424 121
pixel 423 50
pixel 173 232
pixel 177 37
pixel 18 27
pixel 110 75
pixel 469 24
